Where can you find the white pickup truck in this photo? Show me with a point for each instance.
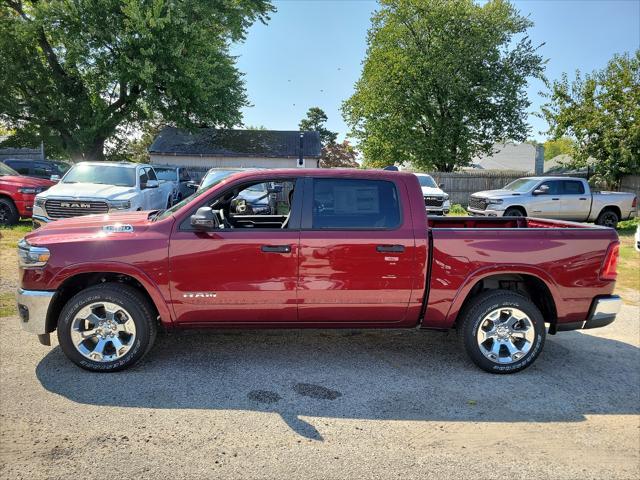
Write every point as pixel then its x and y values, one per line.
pixel 563 198
pixel 102 187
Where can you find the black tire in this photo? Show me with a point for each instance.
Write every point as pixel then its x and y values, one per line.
pixel 514 212
pixel 8 212
pixel 608 218
pixel 169 202
pixel 130 300
pixel 479 308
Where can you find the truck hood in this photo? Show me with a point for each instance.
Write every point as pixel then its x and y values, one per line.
pixel 497 194
pixel 90 227
pixel 431 191
pixel 254 197
pixel 88 190
pixel 22 181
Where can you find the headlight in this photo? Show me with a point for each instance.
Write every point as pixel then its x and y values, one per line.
pixel 494 201
pixel 40 202
pixel 446 197
pixel 119 205
pixel 30 256
pixel 30 190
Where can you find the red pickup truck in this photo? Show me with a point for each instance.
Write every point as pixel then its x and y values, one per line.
pixel 339 249
pixel 17 194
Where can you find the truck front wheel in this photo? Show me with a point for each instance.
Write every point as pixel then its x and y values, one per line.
pixel 8 212
pixel 107 327
pixel 502 331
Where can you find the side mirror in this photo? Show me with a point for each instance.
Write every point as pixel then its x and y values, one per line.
pixel 55 178
pixel 441 186
pixel 151 184
pixel 541 190
pixel 275 189
pixel 192 185
pixel 204 220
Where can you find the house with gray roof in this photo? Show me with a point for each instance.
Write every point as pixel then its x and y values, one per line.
pixel 220 148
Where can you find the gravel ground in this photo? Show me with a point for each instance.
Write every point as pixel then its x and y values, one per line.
pixel 324 404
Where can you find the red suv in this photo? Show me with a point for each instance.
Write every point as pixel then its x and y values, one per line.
pixel 17 194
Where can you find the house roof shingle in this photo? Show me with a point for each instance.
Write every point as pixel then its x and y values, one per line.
pixel 235 143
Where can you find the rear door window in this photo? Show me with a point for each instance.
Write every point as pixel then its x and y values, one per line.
pixel 348 204
pixel 572 187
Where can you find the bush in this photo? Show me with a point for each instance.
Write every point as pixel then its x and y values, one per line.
pixel 457 210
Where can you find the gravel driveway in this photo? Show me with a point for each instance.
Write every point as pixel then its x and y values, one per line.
pixel 324 404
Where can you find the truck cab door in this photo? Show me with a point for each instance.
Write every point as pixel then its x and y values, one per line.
pixel 242 272
pixel 357 253
pixel 547 204
pixel 575 202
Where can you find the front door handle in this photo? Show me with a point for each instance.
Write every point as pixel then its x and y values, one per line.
pixel 582 198
pixel 276 248
pixel 556 198
pixel 390 248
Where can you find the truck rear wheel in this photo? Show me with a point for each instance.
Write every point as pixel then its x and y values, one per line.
pixel 107 327
pixel 608 218
pixel 502 331
pixel 8 212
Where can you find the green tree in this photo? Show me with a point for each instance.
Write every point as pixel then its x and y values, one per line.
pixel 339 155
pixel 442 82
pixel 74 72
pixel 315 122
pixel 601 112
pixel 560 146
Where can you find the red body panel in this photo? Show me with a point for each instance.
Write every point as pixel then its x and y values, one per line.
pixel 329 278
pixel 10 185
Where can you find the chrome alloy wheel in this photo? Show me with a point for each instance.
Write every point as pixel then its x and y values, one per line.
pixel 505 335
pixel 103 331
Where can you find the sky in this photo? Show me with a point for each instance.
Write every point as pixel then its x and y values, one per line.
pixel 310 53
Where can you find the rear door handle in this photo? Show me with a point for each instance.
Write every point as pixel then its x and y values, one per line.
pixel 390 248
pixel 276 248
pixel 583 198
pixel 556 198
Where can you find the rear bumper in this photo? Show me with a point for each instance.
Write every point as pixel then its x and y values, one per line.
pixel 603 311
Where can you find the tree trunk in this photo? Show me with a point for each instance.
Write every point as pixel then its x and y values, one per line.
pixel 95 151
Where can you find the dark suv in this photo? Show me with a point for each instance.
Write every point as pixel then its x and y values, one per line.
pixel 48 169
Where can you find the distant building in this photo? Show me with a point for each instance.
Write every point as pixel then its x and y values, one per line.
pixel 211 147
pixel 518 157
pixel 21 153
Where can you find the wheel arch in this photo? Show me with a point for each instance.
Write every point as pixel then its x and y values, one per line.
pixel 536 286
pixel 67 284
pixel 517 207
pixel 614 208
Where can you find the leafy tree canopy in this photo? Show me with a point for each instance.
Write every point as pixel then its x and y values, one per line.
pixel 339 155
pixel 315 122
pixel 560 146
pixel 601 112
pixel 74 72
pixel 442 82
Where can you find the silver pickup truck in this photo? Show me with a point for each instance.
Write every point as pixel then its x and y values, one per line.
pixel 565 198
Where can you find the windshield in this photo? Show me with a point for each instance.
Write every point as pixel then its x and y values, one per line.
pixel 169 174
pixel 427 181
pixel 203 189
pixel 7 170
pixel 521 185
pixel 215 176
pixel 258 187
pixel 102 174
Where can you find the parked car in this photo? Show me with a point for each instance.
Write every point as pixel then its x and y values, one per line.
pixel 355 250
pixel 17 194
pixel 48 169
pixel 179 177
pixel 102 187
pixel 436 202
pixel 563 198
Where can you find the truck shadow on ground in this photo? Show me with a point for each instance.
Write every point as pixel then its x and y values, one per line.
pixel 388 375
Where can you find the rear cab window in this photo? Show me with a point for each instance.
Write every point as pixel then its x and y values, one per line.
pixel 354 204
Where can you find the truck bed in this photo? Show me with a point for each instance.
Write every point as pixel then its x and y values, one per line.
pixel 503 222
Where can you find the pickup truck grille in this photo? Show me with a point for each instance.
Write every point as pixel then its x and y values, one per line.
pixel 74 208
pixel 432 201
pixel 477 203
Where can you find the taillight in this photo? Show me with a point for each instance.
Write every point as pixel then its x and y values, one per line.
pixel 610 264
pixel 634 204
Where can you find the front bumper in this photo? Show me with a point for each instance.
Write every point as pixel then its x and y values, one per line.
pixel 33 306
pixel 485 213
pixel 603 312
